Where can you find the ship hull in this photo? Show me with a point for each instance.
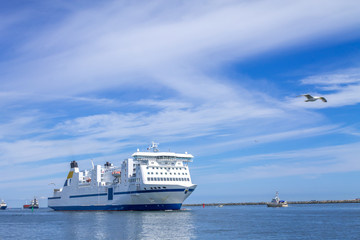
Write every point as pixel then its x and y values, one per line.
pixel 277 205
pixel 3 207
pixel 29 207
pixel 144 200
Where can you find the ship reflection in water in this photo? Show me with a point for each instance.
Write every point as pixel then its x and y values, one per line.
pixel 301 221
pixel 131 225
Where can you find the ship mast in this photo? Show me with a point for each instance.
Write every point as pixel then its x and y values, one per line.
pixel 153 146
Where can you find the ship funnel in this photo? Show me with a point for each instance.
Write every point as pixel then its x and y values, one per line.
pixel 107 164
pixel 73 164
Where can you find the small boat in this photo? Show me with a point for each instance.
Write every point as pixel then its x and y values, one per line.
pixel 276 202
pixel 3 205
pixel 34 204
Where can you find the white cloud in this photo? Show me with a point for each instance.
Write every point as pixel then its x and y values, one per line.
pixel 244 142
pixel 84 53
pixel 105 133
pixel 345 76
pixel 25 151
pixel 303 162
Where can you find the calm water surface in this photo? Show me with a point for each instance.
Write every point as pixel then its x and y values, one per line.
pixel 323 221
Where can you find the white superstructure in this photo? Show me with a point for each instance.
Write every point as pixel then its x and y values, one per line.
pixel 148 181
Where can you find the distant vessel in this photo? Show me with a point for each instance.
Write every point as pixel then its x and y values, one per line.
pixel 34 204
pixel 150 180
pixel 276 202
pixel 3 205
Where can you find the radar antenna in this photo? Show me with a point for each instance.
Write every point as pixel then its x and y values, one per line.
pixel 153 146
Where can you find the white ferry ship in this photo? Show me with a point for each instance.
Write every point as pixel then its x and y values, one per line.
pixel 150 180
pixel 3 205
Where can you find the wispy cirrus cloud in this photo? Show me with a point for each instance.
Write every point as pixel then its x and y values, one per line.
pixel 302 162
pixel 340 77
pixel 82 55
pixel 258 140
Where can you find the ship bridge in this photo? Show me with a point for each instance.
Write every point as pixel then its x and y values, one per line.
pixel 162 156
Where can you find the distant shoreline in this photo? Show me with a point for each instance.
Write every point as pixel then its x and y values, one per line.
pixel 289 202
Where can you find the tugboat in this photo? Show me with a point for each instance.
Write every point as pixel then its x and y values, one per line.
pixel 3 205
pixel 34 204
pixel 276 202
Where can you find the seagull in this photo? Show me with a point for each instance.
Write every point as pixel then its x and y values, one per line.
pixel 310 98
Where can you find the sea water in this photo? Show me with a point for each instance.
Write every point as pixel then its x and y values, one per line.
pixel 312 221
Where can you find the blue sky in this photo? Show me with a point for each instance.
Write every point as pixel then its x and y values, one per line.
pixel 218 79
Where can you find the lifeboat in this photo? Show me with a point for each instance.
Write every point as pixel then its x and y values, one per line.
pixel 116 173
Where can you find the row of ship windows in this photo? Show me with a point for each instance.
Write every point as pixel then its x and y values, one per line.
pixel 134 180
pixel 168 179
pixel 168 168
pixel 165 173
pixel 155 188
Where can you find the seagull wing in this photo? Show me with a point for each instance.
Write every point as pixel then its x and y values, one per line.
pixel 308 96
pixel 323 99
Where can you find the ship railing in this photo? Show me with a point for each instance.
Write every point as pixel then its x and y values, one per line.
pixel 84 184
pixel 171 159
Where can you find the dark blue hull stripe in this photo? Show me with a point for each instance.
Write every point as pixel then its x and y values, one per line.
pixel 54 197
pixel 141 207
pixel 129 192
pixel 89 195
